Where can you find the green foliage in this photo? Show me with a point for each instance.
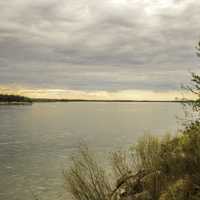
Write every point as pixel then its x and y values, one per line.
pixel 180 190
pixel 194 87
pixel 191 150
pixel 146 153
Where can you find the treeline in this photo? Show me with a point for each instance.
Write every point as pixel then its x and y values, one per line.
pixel 14 98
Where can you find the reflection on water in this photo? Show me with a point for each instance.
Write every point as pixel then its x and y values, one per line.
pixel 36 141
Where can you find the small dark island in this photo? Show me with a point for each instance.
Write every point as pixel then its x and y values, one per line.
pixel 6 99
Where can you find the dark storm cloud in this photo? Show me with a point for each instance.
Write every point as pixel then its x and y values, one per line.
pixel 94 45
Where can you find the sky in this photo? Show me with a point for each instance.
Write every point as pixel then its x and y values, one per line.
pixel 92 49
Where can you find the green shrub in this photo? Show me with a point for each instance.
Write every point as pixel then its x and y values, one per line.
pixel 146 153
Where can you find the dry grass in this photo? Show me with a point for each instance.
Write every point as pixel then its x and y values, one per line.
pixel 121 163
pixel 86 180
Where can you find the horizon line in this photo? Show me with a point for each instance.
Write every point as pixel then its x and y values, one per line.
pixel 105 100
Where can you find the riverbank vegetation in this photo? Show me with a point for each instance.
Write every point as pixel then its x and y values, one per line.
pixel 155 168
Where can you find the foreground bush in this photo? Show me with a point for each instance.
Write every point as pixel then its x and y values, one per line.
pixel 155 169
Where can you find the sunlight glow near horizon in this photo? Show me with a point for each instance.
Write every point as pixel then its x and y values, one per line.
pixel 97 95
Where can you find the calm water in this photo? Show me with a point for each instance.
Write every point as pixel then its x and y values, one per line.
pixel 36 141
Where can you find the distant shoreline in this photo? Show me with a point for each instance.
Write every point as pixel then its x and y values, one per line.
pixel 122 101
pixel 22 100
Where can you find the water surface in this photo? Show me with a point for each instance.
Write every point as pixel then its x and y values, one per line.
pixel 36 141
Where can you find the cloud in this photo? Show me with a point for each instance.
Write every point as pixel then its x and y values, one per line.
pixel 99 45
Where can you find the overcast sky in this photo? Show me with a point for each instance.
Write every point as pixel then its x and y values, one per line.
pixel 96 46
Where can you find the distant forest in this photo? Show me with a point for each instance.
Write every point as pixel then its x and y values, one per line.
pixel 14 98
